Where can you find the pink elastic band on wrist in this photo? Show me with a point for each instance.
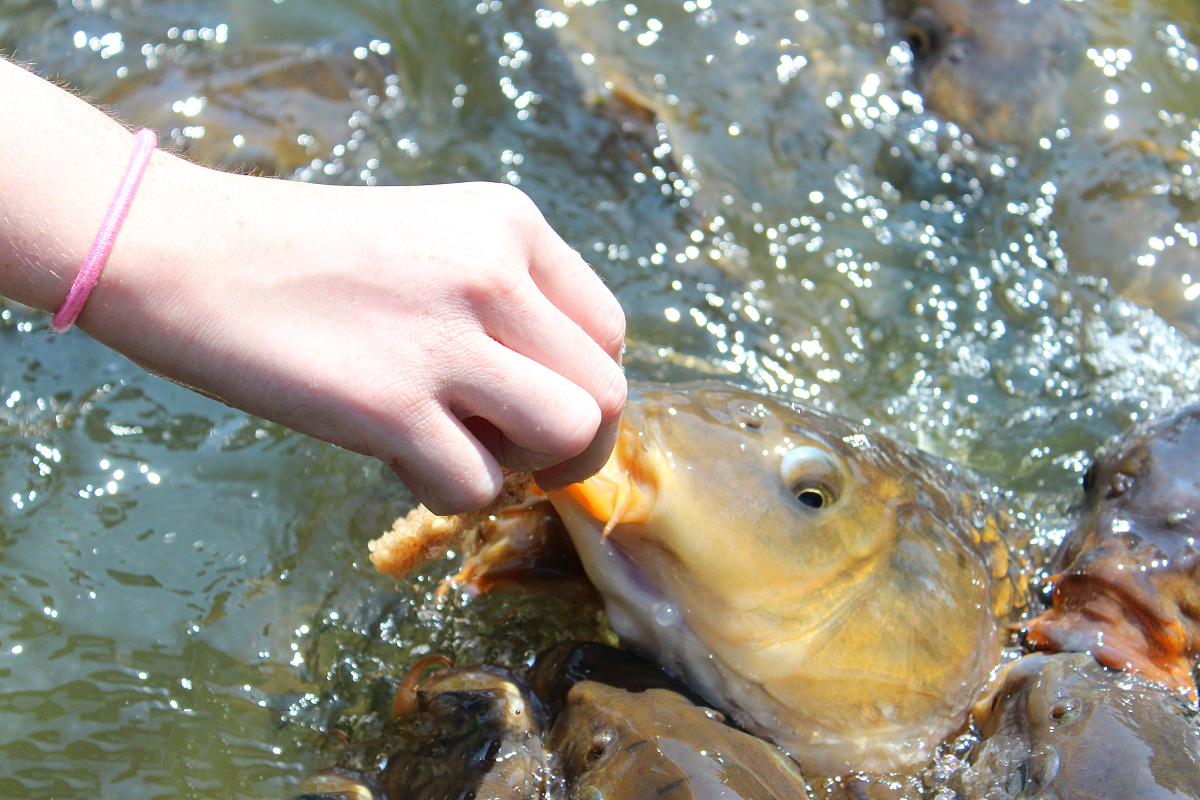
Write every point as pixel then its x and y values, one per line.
pixel 145 141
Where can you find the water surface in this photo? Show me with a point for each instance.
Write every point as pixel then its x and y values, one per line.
pixel 187 606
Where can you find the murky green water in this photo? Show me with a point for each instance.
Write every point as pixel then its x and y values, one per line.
pixel 186 601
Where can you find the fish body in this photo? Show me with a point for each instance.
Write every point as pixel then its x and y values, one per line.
pixel 834 591
pixel 1126 587
pixel 467 732
pixel 998 68
pixel 624 729
pixel 1063 727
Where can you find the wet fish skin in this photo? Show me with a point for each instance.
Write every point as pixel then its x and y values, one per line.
pixel 854 635
pixel 472 732
pixel 620 745
pixel 558 669
pixel 1063 727
pixel 1127 588
pixel 998 68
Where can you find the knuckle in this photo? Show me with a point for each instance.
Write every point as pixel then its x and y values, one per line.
pixel 503 201
pixel 498 286
pixel 515 201
pixel 610 391
pixel 610 334
pixel 576 432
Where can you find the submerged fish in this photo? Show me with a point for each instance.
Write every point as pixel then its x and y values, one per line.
pixel 1063 727
pixel 998 68
pixel 833 590
pixel 623 745
pixel 558 669
pixel 466 732
pixel 623 729
pixel 268 108
pixel 1127 590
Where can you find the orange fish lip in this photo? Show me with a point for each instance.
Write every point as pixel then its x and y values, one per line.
pixel 1122 630
pixel 623 490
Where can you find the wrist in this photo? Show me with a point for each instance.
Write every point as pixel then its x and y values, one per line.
pixel 200 254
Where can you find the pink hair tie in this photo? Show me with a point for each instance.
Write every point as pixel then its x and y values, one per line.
pixel 145 141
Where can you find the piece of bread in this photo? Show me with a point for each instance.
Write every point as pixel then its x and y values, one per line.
pixel 422 536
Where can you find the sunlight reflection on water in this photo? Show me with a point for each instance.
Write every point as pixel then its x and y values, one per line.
pixel 186 601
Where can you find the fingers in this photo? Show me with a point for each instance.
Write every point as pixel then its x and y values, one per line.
pixel 538 386
pixel 515 413
pixel 584 465
pixel 567 281
pixel 528 416
pixel 529 323
pixel 444 465
pixel 507 453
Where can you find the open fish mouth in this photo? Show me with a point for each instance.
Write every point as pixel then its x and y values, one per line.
pixel 606 513
pixel 622 490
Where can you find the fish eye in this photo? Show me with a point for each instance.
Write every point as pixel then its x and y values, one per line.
pixel 600 743
pixel 812 475
pixel 924 34
pixel 1064 711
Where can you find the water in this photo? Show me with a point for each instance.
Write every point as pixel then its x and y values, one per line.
pixel 187 606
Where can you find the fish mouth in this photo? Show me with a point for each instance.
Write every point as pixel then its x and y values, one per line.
pixel 620 497
pixel 1122 630
pixel 624 489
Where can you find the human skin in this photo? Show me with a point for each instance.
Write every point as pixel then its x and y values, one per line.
pixel 445 330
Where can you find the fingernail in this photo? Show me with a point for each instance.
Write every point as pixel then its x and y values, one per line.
pixel 584 465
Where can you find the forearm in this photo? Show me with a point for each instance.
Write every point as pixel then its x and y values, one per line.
pixel 61 161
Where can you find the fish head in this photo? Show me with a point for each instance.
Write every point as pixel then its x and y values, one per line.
pixel 817 581
pixel 997 68
pixel 1062 725
pixel 1145 489
pixel 605 738
pixel 656 743
pixel 702 460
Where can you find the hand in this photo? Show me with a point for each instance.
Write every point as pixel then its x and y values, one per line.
pixel 446 330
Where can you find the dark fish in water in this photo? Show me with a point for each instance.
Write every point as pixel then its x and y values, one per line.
pixel 466 732
pixel 998 68
pixel 835 591
pixel 558 669
pixel 624 729
pixel 620 745
pixel 1126 589
pixel 476 733
pixel 1007 72
pixel 1063 727
pixel 270 109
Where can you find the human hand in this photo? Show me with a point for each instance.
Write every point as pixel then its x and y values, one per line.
pixel 446 330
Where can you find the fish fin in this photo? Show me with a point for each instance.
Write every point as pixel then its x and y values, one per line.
pixel 406 694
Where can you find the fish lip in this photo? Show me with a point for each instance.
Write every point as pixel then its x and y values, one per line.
pixel 626 488
pixel 623 574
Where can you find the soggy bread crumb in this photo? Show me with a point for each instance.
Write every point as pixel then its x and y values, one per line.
pixel 422 536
